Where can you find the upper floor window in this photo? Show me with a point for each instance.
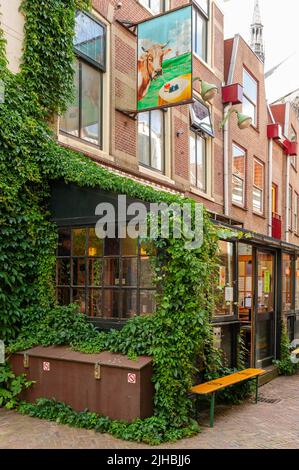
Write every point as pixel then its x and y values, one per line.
pixel 156 6
pixel 110 278
pixel 151 145
pixel 290 207
pixel 258 187
pixel 293 138
pixel 238 177
pixel 198 161
pixel 83 118
pixel 296 214
pixel 250 93
pixel 200 29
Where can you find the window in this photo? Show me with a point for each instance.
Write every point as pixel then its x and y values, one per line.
pixel 225 286
pixel 238 182
pixel 258 187
pixel 156 6
pixel 293 138
pixel 151 148
pixel 297 287
pixel 109 278
pixel 296 209
pixel 83 118
pixel 290 207
pixel 198 162
pixel 200 31
pixel 274 199
pixel 250 96
pixel 287 283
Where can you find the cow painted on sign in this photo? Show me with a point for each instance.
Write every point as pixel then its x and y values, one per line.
pixel 150 66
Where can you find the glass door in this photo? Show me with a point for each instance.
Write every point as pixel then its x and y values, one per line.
pixel 265 308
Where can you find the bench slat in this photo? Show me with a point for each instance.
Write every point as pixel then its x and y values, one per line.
pixel 220 383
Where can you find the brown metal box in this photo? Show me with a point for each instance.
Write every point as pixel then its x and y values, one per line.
pixel 109 384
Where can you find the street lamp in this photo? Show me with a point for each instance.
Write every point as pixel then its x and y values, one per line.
pixel 208 91
pixel 243 121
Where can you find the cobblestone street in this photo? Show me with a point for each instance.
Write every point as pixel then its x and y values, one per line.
pixel 272 423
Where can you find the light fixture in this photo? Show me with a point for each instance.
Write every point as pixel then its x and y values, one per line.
pixel 244 121
pixel 208 91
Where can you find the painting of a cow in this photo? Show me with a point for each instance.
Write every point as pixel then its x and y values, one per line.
pixel 150 66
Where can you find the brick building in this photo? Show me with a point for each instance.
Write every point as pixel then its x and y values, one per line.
pixel 247 178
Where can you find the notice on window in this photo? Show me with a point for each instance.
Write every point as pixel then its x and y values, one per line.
pixel 267 282
pixel 260 288
pixel 229 294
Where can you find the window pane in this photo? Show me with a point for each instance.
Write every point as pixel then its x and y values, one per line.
pixel 147 302
pixel 79 241
pixel 129 273
pixel 201 163
pixel 89 38
pixel 157 139
pixel 111 271
pixel 129 303
pixel 238 190
pixel 143 138
pixel 64 242
pixel 63 296
pixel 238 161
pixel 156 6
pixel 192 159
pixel 110 304
pixel 224 304
pixel 129 246
pixel 146 272
pixel 258 175
pixel 199 35
pixel 95 244
pixel 78 271
pixel 250 87
pixel 111 246
pixel 69 122
pixel 204 5
pixel 287 284
pixel 79 299
pixel 95 306
pixel 91 104
pixel 249 109
pixel 257 200
pixel 63 272
pixel 297 285
pixel 95 271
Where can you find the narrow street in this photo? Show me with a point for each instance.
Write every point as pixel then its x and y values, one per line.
pixel 272 423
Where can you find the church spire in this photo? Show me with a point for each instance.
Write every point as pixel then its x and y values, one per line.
pixel 257 42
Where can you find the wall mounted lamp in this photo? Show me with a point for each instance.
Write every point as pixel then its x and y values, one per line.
pixel 243 121
pixel 208 91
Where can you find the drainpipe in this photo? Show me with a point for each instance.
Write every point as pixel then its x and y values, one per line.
pixel 287 221
pixel 225 162
pixel 270 165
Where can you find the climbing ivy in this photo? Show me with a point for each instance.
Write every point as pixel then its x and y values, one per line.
pixel 30 158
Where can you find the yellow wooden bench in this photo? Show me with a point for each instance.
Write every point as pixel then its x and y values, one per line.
pixel 210 388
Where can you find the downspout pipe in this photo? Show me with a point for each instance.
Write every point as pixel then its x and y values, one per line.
pixel 225 162
pixel 288 202
pixel 270 169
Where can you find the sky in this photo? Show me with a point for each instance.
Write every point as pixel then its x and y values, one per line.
pixel 281 36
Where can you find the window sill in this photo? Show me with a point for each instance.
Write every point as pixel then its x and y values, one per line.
pixel 240 207
pixel 83 146
pixel 258 214
pixel 203 62
pixel 200 193
pixel 155 174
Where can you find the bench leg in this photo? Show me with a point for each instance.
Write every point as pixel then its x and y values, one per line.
pixel 256 389
pixel 212 409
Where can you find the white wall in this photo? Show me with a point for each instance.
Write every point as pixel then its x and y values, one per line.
pixel 12 23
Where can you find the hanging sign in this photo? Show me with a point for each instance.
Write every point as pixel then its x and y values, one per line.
pixel 164 59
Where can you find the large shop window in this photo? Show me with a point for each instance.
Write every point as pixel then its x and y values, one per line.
pixel 151 139
pixel 156 6
pixel 225 288
pixel 238 182
pixel 250 95
pixel 198 161
pixel 287 283
pixel 110 279
pixel 200 28
pixel 297 285
pixel 83 118
pixel 258 187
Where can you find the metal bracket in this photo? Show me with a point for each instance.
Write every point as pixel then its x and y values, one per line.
pixel 26 361
pixel 97 371
pixel 128 25
pixel 126 112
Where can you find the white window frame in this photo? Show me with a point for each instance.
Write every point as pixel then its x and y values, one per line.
pixel 262 189
pixel 241 178
pixel 255 104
